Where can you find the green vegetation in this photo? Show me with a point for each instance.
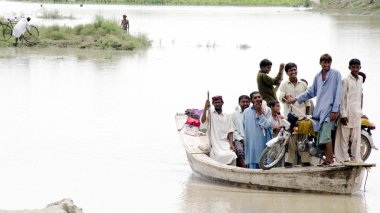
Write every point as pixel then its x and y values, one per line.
pixel 192 2
pixel 350 6
pixel 102 34
pixel 54 14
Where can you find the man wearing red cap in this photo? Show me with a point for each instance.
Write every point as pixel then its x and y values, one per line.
pixel 221 130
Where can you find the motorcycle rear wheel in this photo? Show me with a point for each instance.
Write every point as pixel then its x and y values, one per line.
pixel 365 148
pixel 271 156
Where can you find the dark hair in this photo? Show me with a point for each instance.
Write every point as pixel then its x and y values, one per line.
pixel 354 61
pixel 304 81
pixel 243 97
pixel 252 94
pixel 325 57
pixel 273 103
pixel 290 65
pixel 28 19
pixel 265 62
pixel 363 75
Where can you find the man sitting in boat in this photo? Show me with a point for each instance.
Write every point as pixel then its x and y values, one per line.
pixel 257 123
pixel 237 120
pixel 221 131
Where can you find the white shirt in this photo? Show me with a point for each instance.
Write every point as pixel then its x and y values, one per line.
pixel 221 125
pixel 20 27
pixel 237 121
pixel 351 100
pixel 288 87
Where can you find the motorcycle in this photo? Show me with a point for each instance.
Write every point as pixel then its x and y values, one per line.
pixel 367 144
pixel 276 147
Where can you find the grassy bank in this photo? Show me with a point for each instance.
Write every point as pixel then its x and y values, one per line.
pixel 102 34
pixel 366 7
pixel 189 2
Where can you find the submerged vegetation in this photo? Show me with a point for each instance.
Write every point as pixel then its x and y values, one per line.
pixel 102 34
pixel 54 14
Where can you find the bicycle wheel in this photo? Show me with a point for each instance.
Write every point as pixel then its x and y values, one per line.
pixel 34 37
pixel 6 33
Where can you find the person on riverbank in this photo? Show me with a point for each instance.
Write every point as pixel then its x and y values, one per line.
pixel 20 28
pixel 257 123
pixel 349 125
pixel 293 87
pixel 221 131
pixel 327 87
pixel 265 83
pixel 237 121
pixel 125 24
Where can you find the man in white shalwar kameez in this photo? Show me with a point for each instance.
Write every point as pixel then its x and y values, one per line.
pixel 20 28
pixel 349 126
pixel 221 131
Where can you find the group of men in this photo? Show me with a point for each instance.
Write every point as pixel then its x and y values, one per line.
pixel 239 138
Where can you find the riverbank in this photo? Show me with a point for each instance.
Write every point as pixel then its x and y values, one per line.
pixel 189 2
pixel 364 7
pixel 102 34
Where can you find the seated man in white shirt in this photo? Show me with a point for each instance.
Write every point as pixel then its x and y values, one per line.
pixel 20 28
pixel 220 131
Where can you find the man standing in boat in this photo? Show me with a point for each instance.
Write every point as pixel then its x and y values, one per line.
pixel 267 85
pixel 221 131
pixel 349 126
pixel 327 87
pixel 257 123
pixel 292 88
pixel 237 120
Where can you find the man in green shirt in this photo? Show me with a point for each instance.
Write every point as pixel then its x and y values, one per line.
pixel 267 85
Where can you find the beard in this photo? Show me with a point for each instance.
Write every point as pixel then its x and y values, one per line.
pixel 217 108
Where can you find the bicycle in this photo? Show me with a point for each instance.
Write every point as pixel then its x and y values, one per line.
pixel 6 30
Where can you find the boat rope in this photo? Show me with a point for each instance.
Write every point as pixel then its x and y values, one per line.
pixel 365 182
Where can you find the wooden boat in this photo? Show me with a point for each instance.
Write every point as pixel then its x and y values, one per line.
pixel 340 179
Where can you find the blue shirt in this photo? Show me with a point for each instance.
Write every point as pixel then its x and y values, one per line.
pixel 328 93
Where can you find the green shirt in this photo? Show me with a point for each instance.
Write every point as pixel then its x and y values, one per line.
pixel 266 84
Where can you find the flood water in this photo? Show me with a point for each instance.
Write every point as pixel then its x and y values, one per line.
pixel 98 126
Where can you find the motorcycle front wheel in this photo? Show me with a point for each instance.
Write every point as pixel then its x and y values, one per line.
pixel 272 155
pixel 365 148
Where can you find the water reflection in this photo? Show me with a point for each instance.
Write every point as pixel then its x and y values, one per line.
pixel 201 196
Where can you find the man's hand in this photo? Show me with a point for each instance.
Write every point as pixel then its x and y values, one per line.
pixel 333 116
pixel 344 121
pixel 232 147
pixel 207 105
pixel 258 107
pixel 282 65
pixel 291 100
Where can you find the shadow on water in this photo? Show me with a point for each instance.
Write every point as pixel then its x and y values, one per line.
pixel 201 196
